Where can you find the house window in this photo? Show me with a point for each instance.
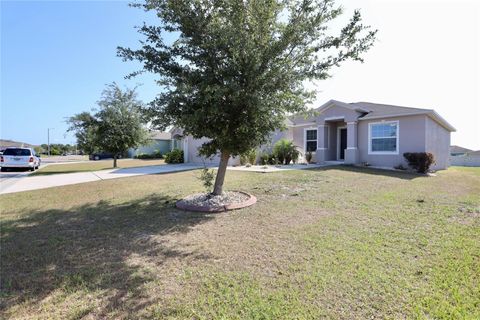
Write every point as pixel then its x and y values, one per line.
pixel 383 137
pixel 311 140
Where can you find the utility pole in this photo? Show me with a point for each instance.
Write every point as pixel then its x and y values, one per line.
pixel 48 139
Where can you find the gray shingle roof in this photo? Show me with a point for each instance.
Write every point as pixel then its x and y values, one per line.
pixel 458 149
pixel 372 111
pixel 386 110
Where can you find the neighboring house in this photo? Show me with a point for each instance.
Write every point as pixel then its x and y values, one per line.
pixel 468 159
pixel 458 151
pixel 160 141
pixel 356 133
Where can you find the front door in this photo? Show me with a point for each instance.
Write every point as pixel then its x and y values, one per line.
pixel 343 143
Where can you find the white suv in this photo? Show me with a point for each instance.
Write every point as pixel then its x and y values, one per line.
pixel 19 158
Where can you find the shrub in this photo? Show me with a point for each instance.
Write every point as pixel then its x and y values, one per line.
pixel 155 155
pixel 285 151
pixel 264 159
pixel 248 157
pixel 308 157
pixel 207 177
pixel 174 156
pixel 252 156
pixel 271 159
pixel 420 161
pixel 243 159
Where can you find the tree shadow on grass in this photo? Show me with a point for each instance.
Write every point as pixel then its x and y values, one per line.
pixel 87 248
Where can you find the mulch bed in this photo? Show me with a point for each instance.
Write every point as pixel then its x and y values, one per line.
pixel 204 202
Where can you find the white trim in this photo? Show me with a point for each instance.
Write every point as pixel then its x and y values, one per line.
pixel 352 122
pixel 305 139
pixel 302 124
pixel 338 142
pixel 335 118
pixel 351 148
pixel 396 152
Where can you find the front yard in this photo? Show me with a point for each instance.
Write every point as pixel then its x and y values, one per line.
pixel 95 166
pixel 326 243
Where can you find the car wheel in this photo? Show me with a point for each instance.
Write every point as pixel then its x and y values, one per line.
pixel 32 168
pixel 96 158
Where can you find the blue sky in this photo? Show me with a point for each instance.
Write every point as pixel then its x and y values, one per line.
pixel 56 58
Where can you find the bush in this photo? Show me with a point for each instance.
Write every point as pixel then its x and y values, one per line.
pixel 207 177
pixel 248 157
pixel 156 155
pixel 420 161
pixel 285 151
pixel 252 156
pixel 308 157
pixel 264 159
pixel 174 156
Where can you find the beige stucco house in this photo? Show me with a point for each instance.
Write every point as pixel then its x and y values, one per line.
pixel 356 133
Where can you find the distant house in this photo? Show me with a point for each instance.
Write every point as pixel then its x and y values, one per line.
pixel 160 142
pixel 467 159
pixel 458 151
pixel 355 133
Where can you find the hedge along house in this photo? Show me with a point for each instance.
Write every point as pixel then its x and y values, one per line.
pixel 159 141
pixel 355 133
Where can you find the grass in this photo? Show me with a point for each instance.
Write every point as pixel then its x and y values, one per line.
pixel 345 243
pixel 95 166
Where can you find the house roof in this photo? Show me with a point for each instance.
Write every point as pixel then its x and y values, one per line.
pixel 161 135
pixel 458 149
pixel 474 153
pixel 370 110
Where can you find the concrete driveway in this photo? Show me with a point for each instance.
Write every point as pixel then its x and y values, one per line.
pixel 20 181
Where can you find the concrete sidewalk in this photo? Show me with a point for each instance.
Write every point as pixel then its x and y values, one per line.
pixel 25 182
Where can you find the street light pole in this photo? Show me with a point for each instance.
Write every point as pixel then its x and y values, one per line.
pixel 48 139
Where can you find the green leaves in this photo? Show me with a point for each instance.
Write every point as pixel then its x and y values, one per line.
pixel 116 127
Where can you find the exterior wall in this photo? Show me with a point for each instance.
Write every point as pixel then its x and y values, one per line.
pixel 411 139
pixel 163 146
pixel 438 143
pixel 190 149
pixel 298 137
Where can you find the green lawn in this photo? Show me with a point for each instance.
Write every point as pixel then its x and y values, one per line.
pixel 340 243
pixel 95 166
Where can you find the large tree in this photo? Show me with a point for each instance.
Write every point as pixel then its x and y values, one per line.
pixel 238 67
pixel 115 127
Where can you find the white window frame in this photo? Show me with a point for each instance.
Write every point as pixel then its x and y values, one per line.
pixel 396 152
pixel 305 139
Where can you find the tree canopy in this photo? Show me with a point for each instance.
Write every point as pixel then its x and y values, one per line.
pixel 238 67
pixel 115 127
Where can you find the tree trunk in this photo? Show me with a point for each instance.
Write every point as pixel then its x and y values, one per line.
pixel 222 169
pixel 114 160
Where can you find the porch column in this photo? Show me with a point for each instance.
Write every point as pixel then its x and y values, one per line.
pixel 320 154
pixel 351 154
